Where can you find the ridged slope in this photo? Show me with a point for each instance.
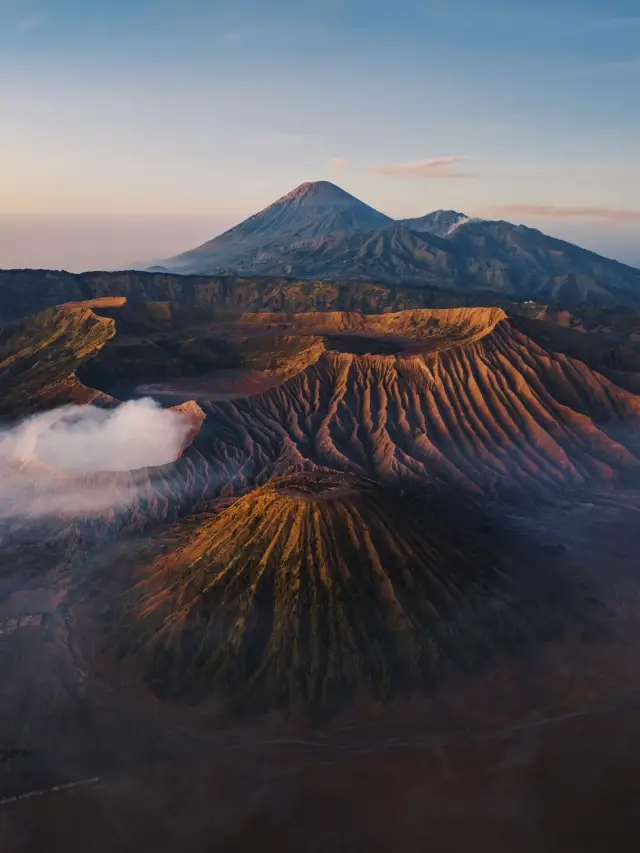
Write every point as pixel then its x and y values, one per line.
pixel 39 356
pixel 456 325
pixel 495 415
pixel 468 401
pixel 311 588
pixel 310 211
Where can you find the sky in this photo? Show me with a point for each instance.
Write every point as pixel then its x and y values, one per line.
pixel 134 129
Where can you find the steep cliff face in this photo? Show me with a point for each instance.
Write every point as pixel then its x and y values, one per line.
pixel 24 292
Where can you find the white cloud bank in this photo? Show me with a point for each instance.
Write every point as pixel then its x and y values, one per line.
pixel 79 460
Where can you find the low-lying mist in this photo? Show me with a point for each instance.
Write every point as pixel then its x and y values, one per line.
pixel 70 461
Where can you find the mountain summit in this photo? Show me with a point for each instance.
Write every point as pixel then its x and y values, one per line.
pixel 312 210
pixel 320 194
pixel 319 231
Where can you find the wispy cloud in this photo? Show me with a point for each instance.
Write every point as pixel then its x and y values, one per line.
pixel 623 66
pixel 422 170
pixel 338 164
pixel 31 22
pixel 619 23
pixel 610 68
pixel 549 211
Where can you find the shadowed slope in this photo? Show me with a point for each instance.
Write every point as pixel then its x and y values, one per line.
pixel 311 588
pixel 24 292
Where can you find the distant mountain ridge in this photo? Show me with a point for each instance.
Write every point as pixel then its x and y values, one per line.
pixel 320 231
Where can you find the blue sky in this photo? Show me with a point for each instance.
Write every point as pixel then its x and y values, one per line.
pixel 203 112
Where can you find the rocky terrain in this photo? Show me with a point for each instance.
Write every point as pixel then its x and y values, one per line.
pixel 389 552
pixel 462 399
pixel 25 292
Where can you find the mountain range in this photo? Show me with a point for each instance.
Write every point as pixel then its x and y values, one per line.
pixel 320 231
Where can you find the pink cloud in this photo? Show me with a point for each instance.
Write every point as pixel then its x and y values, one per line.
pixel 338 164
pixel 431 169
pixel 549 211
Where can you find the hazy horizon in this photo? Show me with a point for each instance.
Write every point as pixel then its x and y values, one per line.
pixel 205 113
pixel 78 243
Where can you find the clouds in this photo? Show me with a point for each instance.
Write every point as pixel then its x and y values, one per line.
pixel 613 68
pixel 617 23
pixel 549 211
pixel 31 22
pixel 338 164
pixel 78 460
pixel 434 168
pixel 137 434
pixel 621 66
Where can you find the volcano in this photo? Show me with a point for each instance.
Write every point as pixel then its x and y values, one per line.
pixel 310 589
pixel 445 400
pixel 318 231
pixel 310 211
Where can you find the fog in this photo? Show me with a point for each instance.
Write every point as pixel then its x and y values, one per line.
pixel 48 462
pixel 78 243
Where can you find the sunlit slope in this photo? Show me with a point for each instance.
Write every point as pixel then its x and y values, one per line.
pixel 450 399
pixel 311 588
pixel 39 356
pixel 496 414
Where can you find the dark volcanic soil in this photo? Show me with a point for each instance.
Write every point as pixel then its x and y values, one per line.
pixel 536 755
pixel 226 384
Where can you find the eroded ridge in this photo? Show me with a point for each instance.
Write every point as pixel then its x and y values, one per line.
pixel 497 414
pixel 311 588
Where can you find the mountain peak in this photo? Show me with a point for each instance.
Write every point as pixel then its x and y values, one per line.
pixel 313 209
pixel 319 194
pixel 440 223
